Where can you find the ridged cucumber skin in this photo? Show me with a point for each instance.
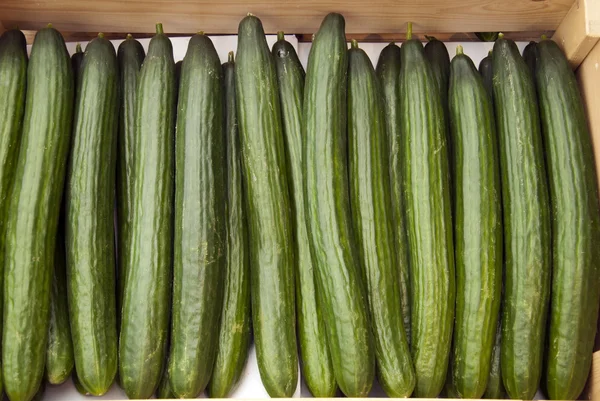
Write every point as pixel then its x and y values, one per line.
pixel 487 73
pixel 340 291
pixel 147 294
pixel 388 72
pixel 268 208
pixel 37 191
pixel 526 214
pixel 13 75
pixel 130 57
pixel 530 55
pixel 89 219
pixel 78 386
pixel 477 227
pixel 575 225
pixel 317 369
pixel 235 329
pixel 200 198
pixel 372 220
pixel 59 356
pixel 495 387
pixel 428 219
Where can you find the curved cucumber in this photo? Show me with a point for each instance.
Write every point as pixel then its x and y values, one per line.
pixel 526 217
pixel 575 225
pixel 388 71
pixel 316 360
pixel 37 191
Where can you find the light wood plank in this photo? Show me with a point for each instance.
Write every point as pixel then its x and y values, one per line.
pixel 382 16
pixel 579 31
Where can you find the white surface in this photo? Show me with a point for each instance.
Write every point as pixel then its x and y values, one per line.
pixel 250 385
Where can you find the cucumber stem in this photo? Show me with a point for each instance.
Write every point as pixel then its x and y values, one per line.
pixel 159 28
pixel 354 44
pixel 490 53
pixel 230 57
pixel 500 35
pixel 78 48
pixel 544 37
pixel 280 35
pixel 430 38
pixel 459 50
pixel 49 25
pixel 409 31
pixel 129 36
pixel 200 32
pixel 100 35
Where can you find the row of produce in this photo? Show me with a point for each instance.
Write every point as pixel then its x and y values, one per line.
pixel 424 221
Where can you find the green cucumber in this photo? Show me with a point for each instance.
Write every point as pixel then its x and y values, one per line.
pixel 37 191
pixel 575 225
pixel 388 71
pixel 439 59
pixel 372 219
pixel 526 217
pixel 495 387
pixel 427 206
pixel 89 218
pixel 59 356
pixel 487 73
pixel 13 75
pixel 340 291
pixel 164 388
pixel 147 293
pixel 477 227
pixel 78 386
pixel 235 330
pixel 76 61
pixel 130 56
pixel 268 208
pixel 200 197
pixel 530 54
pixel 317 369
pixel 487 36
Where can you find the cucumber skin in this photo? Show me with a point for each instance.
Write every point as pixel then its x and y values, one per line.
pixel 575 225
pixel 388 71
pixel 89 224
pixel 37 191
pixel 200 198
pixel 235 329
pixel 147 299
pixel 13 75
pixel 495 387
pixel 527 247
pixel 477 228
pixel 487 73
pixel 427 210
pixel 130 56
pixel 268 208
pixel 340 292
pixel 372 220
pixel 317 369
pixel 530 55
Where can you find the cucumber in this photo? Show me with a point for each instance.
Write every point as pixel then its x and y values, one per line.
pixel 439 59
pixel 130 56
pixel 39 395
pixel 372 219
pixel 76 61
pixel 428 218
pixel 530 54
pixel 477 227
pixel 526 217
pixel 487 36
pixel 268 208
pixel 59 356
pixel 80 389
pixel 388 71
pixel 164 388
pixel 37 191
pixel 575 225
pixel 317 369
pixel 13 75
pixel 495 387
pixel 340 292
pixel 235 330
pixel 200 215
pixel 487 73
pixel 147 293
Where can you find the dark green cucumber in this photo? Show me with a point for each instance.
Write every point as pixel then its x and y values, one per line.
pixel 340 292
pixel 388 71
pixel 89 218
pixel 164 388
pixel 78 386
pixel 439 59
pixel 147 293
pixel 130 56
pixel 268 207
pixel 317 369
pixel 487 73
pixel 200 198
pixel 39 394
pixel 477 227
pixel 59 356
pixel 235 330
pixel 530 54
pixel 495 387
pixel 575 225
pixel 13 75
pixel 428 218
pixel 487 36
pixel 372 220
pixel 76 61
pixel 526 217
pixel 37 191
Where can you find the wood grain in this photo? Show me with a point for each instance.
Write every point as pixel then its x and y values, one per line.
pixel 223 16
pixel 579 31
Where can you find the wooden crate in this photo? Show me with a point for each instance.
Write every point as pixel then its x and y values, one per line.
pixel 575 25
